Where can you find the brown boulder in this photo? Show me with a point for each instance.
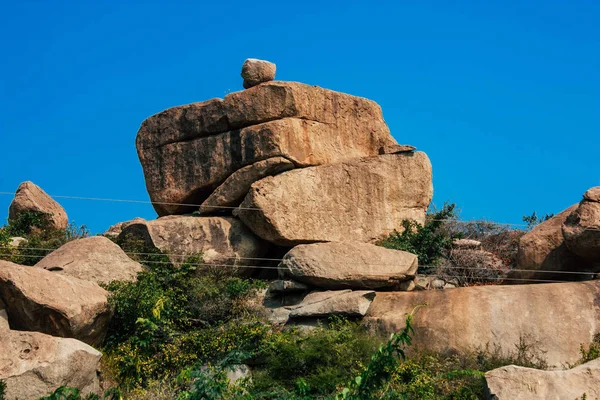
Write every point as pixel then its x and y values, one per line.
pixel 188 151
pixel 559 317
pixel 31 198
pixel 232 191
pixel 59 305
pixel 221 240
pixel 581 228
pixel 257 71
pixel 95 259
pixel 543 249
pixel 347 303
pixel 34 365
pixel 348 265
pixel 520 383
pixel 361 200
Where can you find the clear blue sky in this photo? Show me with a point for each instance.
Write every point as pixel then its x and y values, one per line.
pixel 504 96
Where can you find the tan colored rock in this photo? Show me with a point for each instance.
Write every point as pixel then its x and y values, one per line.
pixel 544 249
pixel 188 151
pixel 59 305
pixel 221 240
pixel 361 200
pixel 34 365
pixel 557 316
pixel 347 303
pixel 115 230
pixel 581 228
pixel 396 148
pixel 467 244
pixel 96 259
pixel 31 198
pixel 257 71
pixel 234 189
pixel 520 383
pixel 282 286
pixel 17 241
pixel 348 265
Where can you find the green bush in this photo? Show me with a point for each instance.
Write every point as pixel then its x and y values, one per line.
pixel 429 242
pixel 2 389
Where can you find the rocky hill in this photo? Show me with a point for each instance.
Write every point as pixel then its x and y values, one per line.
pixel 288 216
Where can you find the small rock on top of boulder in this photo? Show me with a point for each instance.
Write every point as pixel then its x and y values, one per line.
pixel 256 71
pixel 581 228
pixel 347 303
pixel 95 259
pixel 31 198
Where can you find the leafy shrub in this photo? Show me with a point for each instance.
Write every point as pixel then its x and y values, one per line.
pixel 2 389
pixel 533 219
pixel 70 393
pixel 429 242
pixel 592 352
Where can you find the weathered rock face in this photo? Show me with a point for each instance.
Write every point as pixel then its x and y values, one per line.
pixel 115 230
pixel 186 152
pixel 234 189
pixel 343 265
pixel 30 197
pixel 544 249
pixel 359 200
pixel 59 305
pixel 581 228
pixel 346 303
pixel 520 383
pixel 221 240
pixel 257 71
pixel 34 365
pixel 558 316
pixel 95 259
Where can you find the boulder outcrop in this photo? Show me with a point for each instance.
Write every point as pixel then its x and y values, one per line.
pixel 95 259
pixel 221 240
pixel 543 250
pixel 581 229
pixel 59 305
pixel 33 365
pixel 345 303
pixel 559 316
pixel 31 198
pixel 360 200
pixel 188 151
pixel 348 265
pixel 520 383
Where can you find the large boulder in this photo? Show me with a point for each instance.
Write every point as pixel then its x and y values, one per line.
pixel 581 228
pixel 188 151
pixel 257 71
pixel 543 251
pixel 231 192
pixel 33 365
pixel 31 198
pixel 520 383
pixel 59 305
pixel 221 240
pixel 345 303
pixel 558 317
pixel 95 259
pixel 360 200
pixel 349 265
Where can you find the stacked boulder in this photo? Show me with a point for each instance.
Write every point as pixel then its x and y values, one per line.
pixel 51 314
pixel 565 247
pixel 292 167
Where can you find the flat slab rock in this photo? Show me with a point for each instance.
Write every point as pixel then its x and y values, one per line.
pixel 559 317
pixel 188 151
pixel 33 365
pixel 520 383
pixel 221 240
pixel 348 265
pixel 30 197
pixel 361 200
pixel 59 305
pixel 96 259
pixel 346 303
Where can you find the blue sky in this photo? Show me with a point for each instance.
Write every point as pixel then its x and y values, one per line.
pixel 504 96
